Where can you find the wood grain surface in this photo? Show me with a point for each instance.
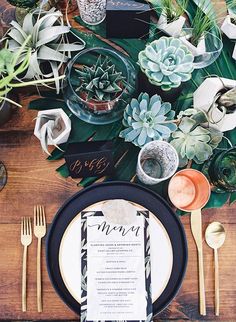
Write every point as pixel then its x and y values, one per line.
pixel 33 180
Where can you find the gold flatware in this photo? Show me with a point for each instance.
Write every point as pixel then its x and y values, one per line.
pixel 39 232
pixel 26 239
pixel 189 190
pixel 215 237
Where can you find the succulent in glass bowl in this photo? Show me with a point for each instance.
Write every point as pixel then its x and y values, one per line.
pixel 99 82
pixel 166 62
pixel 147 119
pixel 192 140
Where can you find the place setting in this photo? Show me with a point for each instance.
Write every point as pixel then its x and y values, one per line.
pixel 130 108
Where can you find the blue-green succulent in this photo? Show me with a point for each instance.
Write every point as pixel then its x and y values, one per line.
pixel 166 62
pixel 147 119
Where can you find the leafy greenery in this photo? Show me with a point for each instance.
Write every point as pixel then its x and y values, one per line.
pixel 125 154
pixel 48 44
pixel 24 3
pixel 171 9
pixel 10 69
pixel 202 23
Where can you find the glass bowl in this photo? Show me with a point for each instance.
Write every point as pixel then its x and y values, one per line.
pixel 92 111
pixel 213 47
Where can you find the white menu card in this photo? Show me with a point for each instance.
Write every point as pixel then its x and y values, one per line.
pixel 115 268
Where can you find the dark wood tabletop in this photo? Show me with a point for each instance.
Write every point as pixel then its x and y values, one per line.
pixel 33 180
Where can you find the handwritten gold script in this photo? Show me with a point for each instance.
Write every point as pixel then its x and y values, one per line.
pixel 97 166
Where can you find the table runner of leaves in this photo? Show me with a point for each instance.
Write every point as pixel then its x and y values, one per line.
pixel 125 154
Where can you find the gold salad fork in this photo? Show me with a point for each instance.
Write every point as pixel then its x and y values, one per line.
pixel 26 239
pixel 39 232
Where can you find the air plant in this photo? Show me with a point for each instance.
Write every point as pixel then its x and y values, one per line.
pixel 10 69
pixel 100 82
pixel 147 119
pixel 171 9
pixel 202 23
pixel 192 140
pixel 166 62
pixel 48 45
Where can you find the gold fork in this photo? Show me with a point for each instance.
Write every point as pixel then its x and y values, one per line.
pixel 26 239
pixel 39 232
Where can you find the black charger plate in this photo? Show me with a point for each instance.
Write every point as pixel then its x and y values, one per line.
pixel 127 191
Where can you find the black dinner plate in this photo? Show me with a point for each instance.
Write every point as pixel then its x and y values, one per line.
pixel 127 191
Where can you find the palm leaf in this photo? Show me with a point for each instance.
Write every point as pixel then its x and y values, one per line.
pixel 125 155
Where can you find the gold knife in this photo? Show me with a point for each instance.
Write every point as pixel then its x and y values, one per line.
pixel 196 227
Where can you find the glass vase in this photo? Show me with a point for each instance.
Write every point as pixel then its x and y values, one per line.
pixel 92 12
pixel 222 171
pixel 99 112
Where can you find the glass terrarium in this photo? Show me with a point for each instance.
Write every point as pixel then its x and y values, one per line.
pixel 99 84
pixel 221 171
pixel 207 50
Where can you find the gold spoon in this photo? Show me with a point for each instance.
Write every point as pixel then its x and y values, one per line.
pixel 215 237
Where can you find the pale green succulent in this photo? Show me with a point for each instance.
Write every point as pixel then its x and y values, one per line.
pixel 101 81
pixel 49 46
pixel 147 119
pixel 192 141
pixel 166 62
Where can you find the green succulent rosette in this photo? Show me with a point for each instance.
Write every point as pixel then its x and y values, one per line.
pixel 192 140
pixel 147 119
pixel 166 62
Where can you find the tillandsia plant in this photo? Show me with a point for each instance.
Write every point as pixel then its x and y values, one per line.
pixel 10 70
pixel 100 82
pixel 147 119
pixel 202 23
pixel 192 140
pixel 171 9
pixel 166 62
pixel 49 45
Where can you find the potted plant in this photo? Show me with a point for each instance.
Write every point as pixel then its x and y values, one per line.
pixel 171 20
pixel 9 71
pixel 49 45
pixel 99 84
pixel 201 38
pixel 167 63
pixel 217 97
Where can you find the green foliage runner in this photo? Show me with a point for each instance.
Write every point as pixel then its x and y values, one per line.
pixel 125 154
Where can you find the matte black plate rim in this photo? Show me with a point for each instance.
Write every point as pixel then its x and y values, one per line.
pixel 115 183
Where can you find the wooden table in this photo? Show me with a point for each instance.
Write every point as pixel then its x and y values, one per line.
pixel 33 180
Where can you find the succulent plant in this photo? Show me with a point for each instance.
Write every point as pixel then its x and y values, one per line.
pixel 101 81
pixel 191 140
pixel 146 119
pixel 166 62
pixel 48 45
